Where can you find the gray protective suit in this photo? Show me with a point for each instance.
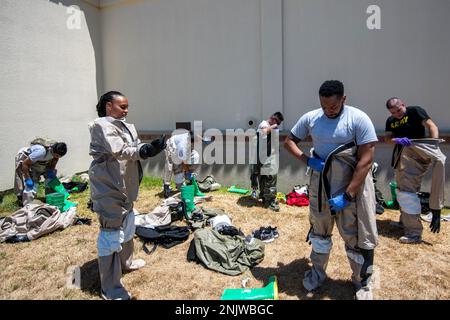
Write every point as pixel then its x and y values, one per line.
pixel 114 174
pixel 413 162
pixel 356 223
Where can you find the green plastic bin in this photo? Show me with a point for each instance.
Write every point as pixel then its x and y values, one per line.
pixel 55 199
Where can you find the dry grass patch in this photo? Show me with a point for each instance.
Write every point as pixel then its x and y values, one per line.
pixel 37 269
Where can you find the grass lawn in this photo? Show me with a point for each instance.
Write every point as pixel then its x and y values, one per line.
pixel 39 269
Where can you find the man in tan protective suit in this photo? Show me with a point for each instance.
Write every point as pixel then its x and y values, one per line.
pixel 413 156
pixel 115 174
pixel 341 186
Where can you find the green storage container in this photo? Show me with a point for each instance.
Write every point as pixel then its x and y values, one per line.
pixel 55 199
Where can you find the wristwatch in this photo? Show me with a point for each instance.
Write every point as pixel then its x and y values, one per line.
pixel 348 197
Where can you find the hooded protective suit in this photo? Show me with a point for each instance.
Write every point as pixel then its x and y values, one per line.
pixel 115 174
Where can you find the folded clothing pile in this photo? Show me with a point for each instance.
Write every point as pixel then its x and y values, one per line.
pixel 266 234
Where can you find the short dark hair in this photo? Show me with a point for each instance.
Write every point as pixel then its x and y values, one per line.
pixel 389 102
pixel 332 88
pixel 107 97
pixel 60 148
pixel 279 116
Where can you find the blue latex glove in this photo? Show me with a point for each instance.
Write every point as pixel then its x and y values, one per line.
pixel 189 176
pixel 29 183
pixel 316 164
pixel 51 174
pixel 402 141
pixel 338 203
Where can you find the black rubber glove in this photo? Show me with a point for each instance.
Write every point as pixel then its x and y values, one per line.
pixel 147 150
pixel 160 143
pixel 435 225
pixel 153 148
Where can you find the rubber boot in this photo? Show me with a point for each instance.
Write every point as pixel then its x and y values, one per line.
pixel 197 192
pixel 187 195
pixel 367 267
pixel 166 191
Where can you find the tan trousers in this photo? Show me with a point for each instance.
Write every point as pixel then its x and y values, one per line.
pixel 415 161
pixel 356 225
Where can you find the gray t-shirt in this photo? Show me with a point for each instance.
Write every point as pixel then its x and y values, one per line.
pixel 39 153
pixel 328 134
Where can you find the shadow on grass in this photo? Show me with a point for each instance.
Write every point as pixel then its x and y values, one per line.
pixel 161 194
pixel 389 229
pixel 290 278
pixel 90 277
pixel 248 202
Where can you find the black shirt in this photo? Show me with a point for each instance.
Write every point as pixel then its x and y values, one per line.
pixel 410 126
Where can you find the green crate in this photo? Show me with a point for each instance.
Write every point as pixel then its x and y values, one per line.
pixel 55 199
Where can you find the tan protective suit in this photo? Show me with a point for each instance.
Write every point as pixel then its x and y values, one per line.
pixel 114 174
pixel 356 223
pixel 413 162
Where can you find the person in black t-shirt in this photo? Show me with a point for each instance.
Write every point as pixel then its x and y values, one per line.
pixel 409 122
pixel 415 154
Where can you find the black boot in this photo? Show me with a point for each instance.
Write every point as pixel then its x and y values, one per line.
pixel 167 191
pixel 367 267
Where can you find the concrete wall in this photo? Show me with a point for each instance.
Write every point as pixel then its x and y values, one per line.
pixel 221 61
pixel 292 172
pixel 211 60
pixel 225 62
pixel 408 57
pixel 49 79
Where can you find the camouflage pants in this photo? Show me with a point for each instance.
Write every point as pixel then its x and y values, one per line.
pixel 267 184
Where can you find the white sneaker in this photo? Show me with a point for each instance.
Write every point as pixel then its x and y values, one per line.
pixel 125 296
pixel 136 264
pixel 426 217
pixel 365 293
pixel 410 240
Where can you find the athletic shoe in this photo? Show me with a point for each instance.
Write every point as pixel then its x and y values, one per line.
pixel 410 240
pixel 273 205
pixel 426 217
pixel 266 234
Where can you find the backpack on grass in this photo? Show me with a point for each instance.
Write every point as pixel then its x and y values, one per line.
pixel 165 236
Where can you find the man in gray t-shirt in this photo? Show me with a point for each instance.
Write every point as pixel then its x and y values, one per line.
pixel 341 186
